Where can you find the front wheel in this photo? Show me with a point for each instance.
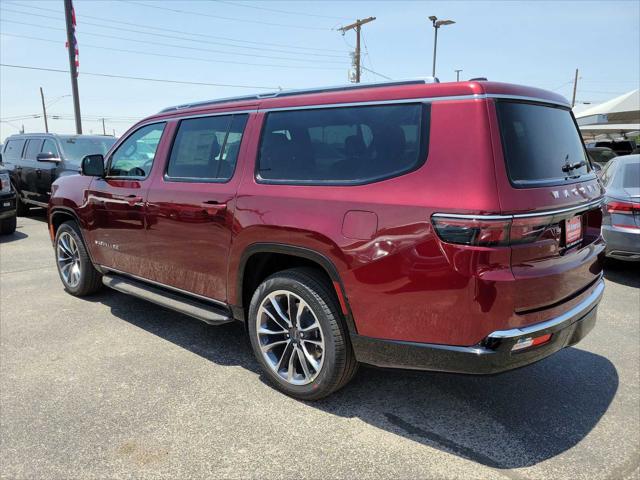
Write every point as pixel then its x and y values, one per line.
pixel 76 271
pixel 297 335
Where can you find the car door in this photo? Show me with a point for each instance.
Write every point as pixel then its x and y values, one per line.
pixel 46 171
pixel 12 160
pixel 116 223
pixel 30 165
pixel 191 205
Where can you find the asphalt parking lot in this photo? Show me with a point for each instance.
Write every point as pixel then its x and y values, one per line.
pixel 113 387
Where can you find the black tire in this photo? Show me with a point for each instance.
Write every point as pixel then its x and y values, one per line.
pixel 8 225
pixel 339 364
pixel 90 280
pixel 22 209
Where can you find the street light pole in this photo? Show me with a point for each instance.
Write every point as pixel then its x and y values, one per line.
pixel 436 25
pixel 457 75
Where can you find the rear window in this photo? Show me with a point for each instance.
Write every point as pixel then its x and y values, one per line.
pixel 346 145
pixel 541 144
pixel 13 150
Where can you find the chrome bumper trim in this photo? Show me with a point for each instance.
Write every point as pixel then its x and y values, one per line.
pixel 574 314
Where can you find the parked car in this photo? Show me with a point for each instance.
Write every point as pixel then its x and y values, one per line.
pixel 620 147
pixel 7 204
pixel 341 227
pixel 601 155
pixel 36 160
pixel 621 222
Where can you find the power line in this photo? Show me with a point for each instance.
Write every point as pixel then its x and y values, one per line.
pixel 235 4
pixel 161 80
pixel 139 25
pixel 185 47
pixel 176 37
pixel 165 55
pixel 375 73
pixel 233 19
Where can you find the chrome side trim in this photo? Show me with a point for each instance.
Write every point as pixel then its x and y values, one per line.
pixel 168 287
pixel 582 308
pixel 584 206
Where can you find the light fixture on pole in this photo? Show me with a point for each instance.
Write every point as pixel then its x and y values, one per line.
pixel 436 25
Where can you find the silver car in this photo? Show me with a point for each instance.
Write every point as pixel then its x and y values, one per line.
pixel 621 222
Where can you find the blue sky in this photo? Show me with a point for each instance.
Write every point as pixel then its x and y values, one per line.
pixel 537 43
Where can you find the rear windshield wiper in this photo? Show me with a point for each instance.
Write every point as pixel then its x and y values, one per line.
pixel 567 167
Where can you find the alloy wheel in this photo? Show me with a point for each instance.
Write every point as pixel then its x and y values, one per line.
pixel 68 258
pixel 290 337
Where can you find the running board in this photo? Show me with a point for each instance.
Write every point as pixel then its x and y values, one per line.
pixel 202 311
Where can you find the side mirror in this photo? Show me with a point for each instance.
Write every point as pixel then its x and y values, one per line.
pixel 48 157
pixel 93 166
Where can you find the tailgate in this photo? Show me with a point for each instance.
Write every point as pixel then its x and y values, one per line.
pixel 545 181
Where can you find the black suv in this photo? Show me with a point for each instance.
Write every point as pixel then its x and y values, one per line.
pixel 36 160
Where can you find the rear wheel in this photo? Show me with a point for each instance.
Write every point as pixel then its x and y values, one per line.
pixel 298 336
pixel 8 225
pixel 76 271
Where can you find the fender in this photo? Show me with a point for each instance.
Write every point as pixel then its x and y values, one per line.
pixel 296 251
pixel 68 211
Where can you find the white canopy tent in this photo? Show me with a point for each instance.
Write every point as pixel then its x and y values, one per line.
pixel 622 109
pixel 614 130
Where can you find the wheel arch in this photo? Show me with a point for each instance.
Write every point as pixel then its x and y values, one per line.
pixel 57 216
pixel 298 256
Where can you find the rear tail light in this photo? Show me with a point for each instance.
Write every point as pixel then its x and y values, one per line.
pixel 619 206
pixel 490 233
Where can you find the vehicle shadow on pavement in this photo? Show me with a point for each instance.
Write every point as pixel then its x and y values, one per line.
pixel 17 235
pixel 513 420
pixel 624 273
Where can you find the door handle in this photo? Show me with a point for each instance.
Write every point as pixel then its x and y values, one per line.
pixel 130 199
pixel 212 207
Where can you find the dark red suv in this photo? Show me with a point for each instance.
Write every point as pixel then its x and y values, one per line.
pixel 443 226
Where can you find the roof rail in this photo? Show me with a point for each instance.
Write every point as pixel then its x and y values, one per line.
pixel 288 93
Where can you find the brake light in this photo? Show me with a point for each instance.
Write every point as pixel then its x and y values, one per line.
pixel 627 208
pixel 490 233
pixel 483 233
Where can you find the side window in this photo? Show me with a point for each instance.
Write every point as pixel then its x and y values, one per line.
pixel 206 148
pixel 134 157
pixel 343 145
pixel 49 146
pixel 33 148
pixel 13 150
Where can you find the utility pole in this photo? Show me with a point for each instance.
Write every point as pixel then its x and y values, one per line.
pixel 71 43
pixel 104 131
pixel 457 75
pixel 44 111
pixel 357 25
pixel 575 87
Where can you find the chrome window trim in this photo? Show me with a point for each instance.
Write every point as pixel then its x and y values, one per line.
pixel 168 287
pixel 579 310
pixel 587 205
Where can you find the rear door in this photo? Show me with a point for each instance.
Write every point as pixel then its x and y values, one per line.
pixel 546 181
pixel 11 159
pixel 117 221
pixel 191 204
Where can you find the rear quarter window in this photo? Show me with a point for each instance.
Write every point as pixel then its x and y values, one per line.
pixel 541 144
pixel 343 145
pixel 13 150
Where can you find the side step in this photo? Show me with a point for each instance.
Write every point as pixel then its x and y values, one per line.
pixel 201 310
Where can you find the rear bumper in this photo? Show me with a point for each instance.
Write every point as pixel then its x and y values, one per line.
pixel 493 354
pixel 622 243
